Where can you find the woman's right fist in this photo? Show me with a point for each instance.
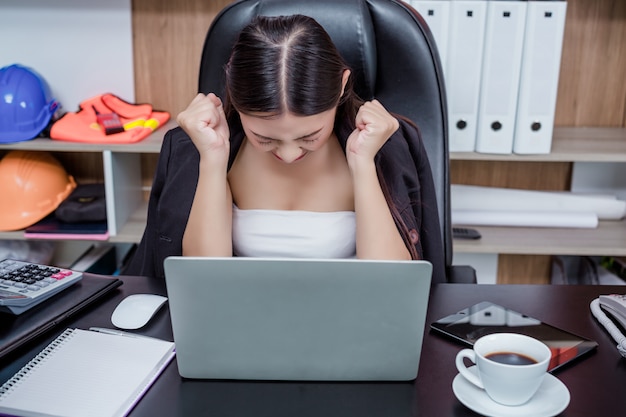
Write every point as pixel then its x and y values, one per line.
pixel 205 123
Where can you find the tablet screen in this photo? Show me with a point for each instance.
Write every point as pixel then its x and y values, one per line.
pixel 485 318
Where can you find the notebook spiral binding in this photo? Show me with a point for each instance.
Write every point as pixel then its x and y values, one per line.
pixel 34 363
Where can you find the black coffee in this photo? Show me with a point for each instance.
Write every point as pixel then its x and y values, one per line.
pixel 511 358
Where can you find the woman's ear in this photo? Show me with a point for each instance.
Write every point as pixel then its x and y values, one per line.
pixel 344 81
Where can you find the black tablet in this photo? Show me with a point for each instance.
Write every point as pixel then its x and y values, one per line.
pixel 485 318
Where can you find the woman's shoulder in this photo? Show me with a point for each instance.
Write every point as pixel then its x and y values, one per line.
pixel 176 137
pixel 408 130
pixel 405 141
pixel 177 145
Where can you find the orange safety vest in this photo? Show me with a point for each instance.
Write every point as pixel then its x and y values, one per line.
pixel 139 121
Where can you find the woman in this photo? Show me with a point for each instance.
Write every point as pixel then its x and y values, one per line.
pixel 291 163
pixel 292 190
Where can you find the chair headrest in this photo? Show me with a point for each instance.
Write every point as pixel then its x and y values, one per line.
pixel 354 37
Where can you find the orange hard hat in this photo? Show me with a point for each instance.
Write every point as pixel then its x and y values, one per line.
pixel 32 184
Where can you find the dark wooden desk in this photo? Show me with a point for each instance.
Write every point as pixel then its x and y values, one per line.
pixel 596 382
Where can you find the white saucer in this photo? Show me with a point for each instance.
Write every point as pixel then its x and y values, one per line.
pixel 551 399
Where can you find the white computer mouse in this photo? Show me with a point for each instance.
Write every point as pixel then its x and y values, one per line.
pixel 136 310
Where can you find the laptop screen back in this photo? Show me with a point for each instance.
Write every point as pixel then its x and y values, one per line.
pixel 297 319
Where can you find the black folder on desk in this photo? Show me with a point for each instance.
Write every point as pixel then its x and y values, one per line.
pixel 18 330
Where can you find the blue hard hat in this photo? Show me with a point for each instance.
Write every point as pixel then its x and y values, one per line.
pixel 26 104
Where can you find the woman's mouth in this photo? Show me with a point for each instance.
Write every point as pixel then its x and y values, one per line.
pixel 297 159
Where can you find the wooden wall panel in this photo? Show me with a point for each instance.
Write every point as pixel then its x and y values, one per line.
pixel 148 168
pixel 592 86
pixel 85 167
pixel 524 269
pixel 551 176
pixel 168 36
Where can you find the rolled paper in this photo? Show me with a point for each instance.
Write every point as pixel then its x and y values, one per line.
pixel 525 218
pixel 493 199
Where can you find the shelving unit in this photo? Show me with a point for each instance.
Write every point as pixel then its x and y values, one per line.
pixel 591 93
pixel 577 144
pixel 126 205
pixel 570 144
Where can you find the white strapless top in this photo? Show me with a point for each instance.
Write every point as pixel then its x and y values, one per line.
pixel 294 233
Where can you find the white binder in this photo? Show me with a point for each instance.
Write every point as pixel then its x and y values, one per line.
pixel 435 13
pixel 504 39
pixel 463 71
pixel 539 79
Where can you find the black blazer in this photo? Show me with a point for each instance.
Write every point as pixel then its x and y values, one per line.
pixel 402 161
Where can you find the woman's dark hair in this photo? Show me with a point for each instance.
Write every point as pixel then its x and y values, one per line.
pixel 290 64
pixel 287 64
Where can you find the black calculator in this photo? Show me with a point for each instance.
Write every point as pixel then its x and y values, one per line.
pixel 23 285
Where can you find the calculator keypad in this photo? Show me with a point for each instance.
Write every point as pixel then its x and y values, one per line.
pixel 29 277
pixel 20 279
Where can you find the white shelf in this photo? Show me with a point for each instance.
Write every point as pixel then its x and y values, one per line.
pixel 569 144
pixel 19 235
pixel 609 239
pixel 132 230
pixel 151 144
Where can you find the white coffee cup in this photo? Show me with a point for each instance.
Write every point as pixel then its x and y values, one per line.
pixel 506 383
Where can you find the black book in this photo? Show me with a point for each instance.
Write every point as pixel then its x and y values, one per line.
pixel 16 330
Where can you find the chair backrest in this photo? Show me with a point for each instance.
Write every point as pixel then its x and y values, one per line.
pixel 391 52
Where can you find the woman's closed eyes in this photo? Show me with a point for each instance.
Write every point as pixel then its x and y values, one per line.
pixel 306 139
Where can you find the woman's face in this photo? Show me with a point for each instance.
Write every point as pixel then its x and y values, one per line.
pixel 289 138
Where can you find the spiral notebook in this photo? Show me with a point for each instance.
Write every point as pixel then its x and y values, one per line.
pixel 86 373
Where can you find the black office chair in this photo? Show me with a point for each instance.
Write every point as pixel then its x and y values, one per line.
pixel 394 59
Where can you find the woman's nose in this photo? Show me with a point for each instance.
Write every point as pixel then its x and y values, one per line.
pixel 289 154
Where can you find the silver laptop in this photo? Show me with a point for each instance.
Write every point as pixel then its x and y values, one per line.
pixel 297 319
